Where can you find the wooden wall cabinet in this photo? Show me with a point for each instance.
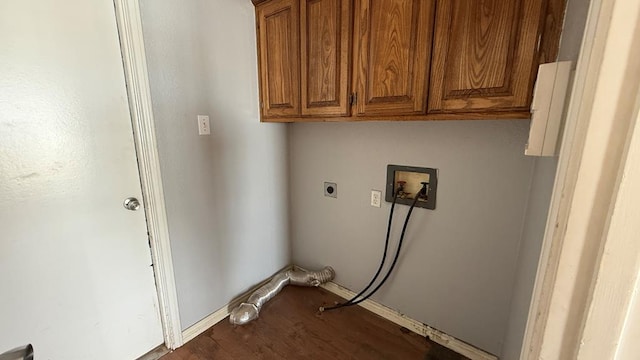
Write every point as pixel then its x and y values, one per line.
pixel 392 53
pixel 325 48
pixel 304 54
pixel 484 55
pixel 345 60
pixel 279 58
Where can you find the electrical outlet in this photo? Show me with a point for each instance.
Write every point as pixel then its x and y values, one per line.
pixel 331 189
pixel 376 198
pixel 203 125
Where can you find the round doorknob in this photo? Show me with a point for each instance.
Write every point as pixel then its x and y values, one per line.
pixel 131 203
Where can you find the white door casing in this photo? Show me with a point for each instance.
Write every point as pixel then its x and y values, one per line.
pixel 76 278
pixel 144 133
pixel 589 264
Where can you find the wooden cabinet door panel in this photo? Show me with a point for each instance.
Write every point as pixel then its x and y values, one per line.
pixel 392 51
pixel 279 54
pixel 484 55
pixel 325 39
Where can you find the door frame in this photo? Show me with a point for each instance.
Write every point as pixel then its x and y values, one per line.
pixel 587 271
pixel 129 25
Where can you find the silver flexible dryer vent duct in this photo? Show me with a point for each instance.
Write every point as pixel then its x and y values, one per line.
pixel 248 311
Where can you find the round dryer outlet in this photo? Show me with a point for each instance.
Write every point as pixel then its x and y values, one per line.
pixel 330 189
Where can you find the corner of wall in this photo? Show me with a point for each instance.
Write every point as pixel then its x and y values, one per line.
pixel 226 193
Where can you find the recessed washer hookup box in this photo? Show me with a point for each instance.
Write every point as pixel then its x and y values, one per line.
pixel 413 177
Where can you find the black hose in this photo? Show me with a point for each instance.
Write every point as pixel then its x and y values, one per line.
pixel 352 301
pixel 384 258
pixel 395 258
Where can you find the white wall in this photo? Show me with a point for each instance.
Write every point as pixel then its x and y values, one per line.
pixel 226 194
pixel 458 266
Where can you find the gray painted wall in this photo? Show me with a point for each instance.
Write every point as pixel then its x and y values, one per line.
pixel 458 268
pixel 529 254
pixel 539 200
pixel 226 194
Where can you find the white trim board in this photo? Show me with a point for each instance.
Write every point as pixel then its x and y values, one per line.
pixel 618 257
pixel 136 75
pixel 573 302
pixel 575 128
pixel 417 327
pixel 201 326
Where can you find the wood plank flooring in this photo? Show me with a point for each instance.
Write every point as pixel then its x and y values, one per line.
pixel 290 327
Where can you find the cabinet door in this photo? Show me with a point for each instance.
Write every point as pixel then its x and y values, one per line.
pixel 325 49
pixel 279 55
pixel 484 55
pixel 392 51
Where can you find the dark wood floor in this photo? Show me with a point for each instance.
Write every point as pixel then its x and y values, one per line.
pixel 290 327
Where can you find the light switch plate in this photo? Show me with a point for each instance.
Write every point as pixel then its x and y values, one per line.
pixel 203 125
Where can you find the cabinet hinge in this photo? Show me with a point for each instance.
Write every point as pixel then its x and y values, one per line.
pixel 353 98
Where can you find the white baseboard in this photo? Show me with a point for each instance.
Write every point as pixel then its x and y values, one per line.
pixel 155 354
pixel 201 326
pixel 417 327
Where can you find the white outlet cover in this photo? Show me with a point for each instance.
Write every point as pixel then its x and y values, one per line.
pixel 376 198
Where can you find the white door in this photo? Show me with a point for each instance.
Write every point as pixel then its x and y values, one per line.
pixel 76 278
